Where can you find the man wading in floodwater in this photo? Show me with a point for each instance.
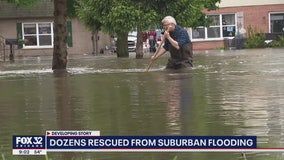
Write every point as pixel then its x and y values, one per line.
pixel 178 43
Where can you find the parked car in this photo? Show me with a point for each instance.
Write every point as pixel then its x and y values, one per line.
pixel 132 41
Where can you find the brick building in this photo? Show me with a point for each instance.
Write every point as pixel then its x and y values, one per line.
pixel 34 25
pixel 234 17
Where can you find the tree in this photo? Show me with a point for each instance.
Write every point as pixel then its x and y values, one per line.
pixel 121 16
pixel 116 22
pixel 117 17
pixel 188 13
pixel 84 12
pixel 147 16
pixel 62 9
pixel 59 61
pixel 192 12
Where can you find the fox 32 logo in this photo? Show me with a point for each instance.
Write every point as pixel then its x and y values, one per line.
pixel 28 142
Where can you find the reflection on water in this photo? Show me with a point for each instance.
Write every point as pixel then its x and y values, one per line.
pixel 173 103
pixel 251 94
pixel 178 100
pixel 226 93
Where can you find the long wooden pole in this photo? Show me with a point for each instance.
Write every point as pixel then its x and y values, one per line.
pixel 155 54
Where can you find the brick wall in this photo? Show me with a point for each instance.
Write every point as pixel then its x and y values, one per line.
pixel 207 45
pixel 255 16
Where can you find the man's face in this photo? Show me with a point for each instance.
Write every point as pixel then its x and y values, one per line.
pixel 166 25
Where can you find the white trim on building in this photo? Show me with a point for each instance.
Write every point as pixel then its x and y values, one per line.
pixel 234 3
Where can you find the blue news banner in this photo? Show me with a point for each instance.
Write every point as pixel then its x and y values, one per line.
pixel 40 145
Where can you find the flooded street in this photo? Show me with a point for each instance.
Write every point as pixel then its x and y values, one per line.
pixel 234 92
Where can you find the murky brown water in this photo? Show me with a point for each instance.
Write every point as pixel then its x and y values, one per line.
pixel 227 93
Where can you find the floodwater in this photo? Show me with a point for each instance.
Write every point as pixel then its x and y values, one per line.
pixel 234 92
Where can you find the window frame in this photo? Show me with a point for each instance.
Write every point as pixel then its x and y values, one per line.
pixel 37 34
pixel 214 26
pixel 269 21
pixel 220 26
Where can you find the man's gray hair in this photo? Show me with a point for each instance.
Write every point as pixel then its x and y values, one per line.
pixel 169 19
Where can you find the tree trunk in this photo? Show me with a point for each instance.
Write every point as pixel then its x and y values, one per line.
pixel 95 43
pixel 139 45
pixel 122 45
pixel 60 35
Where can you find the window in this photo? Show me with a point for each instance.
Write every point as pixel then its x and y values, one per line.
pixel 228 25
pixel 214 30
pixel 198 33
pixel 38 35
pixel 276 22
pixel 223 25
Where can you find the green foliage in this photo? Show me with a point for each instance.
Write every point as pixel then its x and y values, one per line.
pixel 220 48
pixel 121 16
pixel 188 13
pixel 23 2
pixel 71 12
pixel 2 154
pixel 277 44
pixel 175 158
pixel 124 15
pixel 116 19
pixel 116 15
pixel 85 13
pixel 255 38
pixel 189 10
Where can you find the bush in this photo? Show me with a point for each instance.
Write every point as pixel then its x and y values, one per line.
pixel 275 44
pixel 255 39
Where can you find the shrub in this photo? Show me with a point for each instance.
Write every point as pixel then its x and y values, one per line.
pixel 255 39
pixel 278 43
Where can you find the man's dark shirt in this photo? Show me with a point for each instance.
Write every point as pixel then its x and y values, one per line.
pixel 180 35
